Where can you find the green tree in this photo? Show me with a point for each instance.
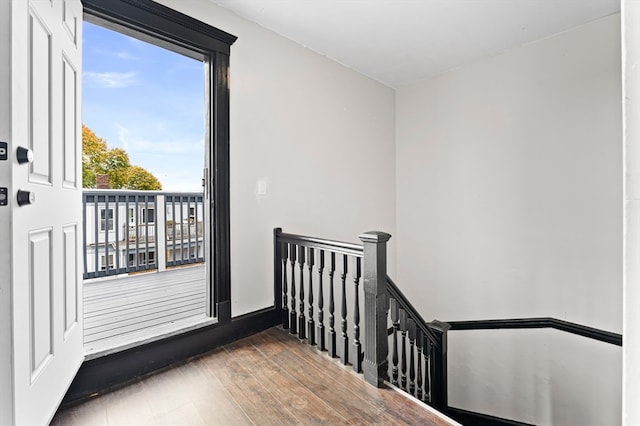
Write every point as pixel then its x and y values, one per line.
pixel 139 178
pixel 93 151
pixel 98 159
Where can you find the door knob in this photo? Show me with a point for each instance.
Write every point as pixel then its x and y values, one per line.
pixel 26 197
pixel 24 155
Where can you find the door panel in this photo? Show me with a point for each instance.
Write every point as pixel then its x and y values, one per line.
pixel 46 278
pixel 71 21
pixel 71 255
pixel 40 98
pixel 70 81
pixel 40 282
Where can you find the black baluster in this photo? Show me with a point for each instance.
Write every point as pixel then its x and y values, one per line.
pixel 293 318
pixel 301 321
pixel 395 320
pixel 419 338
pixel 412 369
pixel 345 337
pixel 311 325
pixel 321 340
pixel 357 357
pixel 333 352
pixel 427 345
pixel 403 358
pixel 285 301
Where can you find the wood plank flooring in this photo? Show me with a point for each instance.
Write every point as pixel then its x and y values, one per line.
pixel 120 311
pixel 266 379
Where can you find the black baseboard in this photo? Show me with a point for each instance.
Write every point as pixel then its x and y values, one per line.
pixel 108 372
pixel 469 418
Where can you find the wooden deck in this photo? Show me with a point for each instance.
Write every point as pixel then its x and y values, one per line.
pixel 269 378
pixel 120 312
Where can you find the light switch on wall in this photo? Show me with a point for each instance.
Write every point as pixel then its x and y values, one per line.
pixel 262 187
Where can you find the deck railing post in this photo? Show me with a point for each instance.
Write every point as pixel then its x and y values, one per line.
pixel 439 386
pixel 376 344
pixel 161 229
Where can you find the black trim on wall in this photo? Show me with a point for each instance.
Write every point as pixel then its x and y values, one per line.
pixel 112 371
pixel 220 186
pixel 149 18
pixel 520 323
pixel 469 418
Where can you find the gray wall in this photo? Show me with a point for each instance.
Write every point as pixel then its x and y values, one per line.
pixel 320 135
pixel 631 323
pixel 509 204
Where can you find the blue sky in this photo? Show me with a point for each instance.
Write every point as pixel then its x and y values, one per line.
pixel 147 100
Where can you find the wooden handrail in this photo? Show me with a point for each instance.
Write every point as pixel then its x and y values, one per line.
pixel 322 244
pixel 395 293
pixel 545 322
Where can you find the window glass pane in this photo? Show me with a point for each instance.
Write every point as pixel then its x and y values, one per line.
pixel 106 219
pixel 148 215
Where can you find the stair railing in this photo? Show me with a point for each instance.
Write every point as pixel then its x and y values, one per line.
pixel 419 351
pixel 417 363
pixel 319 282
pixel 299 263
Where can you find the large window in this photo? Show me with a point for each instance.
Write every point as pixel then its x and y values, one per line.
pixel 157 24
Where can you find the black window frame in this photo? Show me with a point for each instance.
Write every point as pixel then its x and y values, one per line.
pixel 165 27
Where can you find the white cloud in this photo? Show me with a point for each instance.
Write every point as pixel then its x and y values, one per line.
pixel 159 147
pixel 134 144
pixel 123 136
pixel 128 56
pixel 176 163
pixel 111 79
pixel 179 180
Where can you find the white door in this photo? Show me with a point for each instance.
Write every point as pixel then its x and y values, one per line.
pixel 46 277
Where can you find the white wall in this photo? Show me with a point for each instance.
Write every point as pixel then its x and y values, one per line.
pixel 319 134
pixel 631 322
pixel 509 204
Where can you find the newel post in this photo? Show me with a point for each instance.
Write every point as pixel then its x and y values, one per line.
pixel 277 278
pixel 439 385
pixel 376 342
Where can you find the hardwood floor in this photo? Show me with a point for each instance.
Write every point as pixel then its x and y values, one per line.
pixel 268 379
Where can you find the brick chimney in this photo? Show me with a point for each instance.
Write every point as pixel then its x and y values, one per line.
pixel 102 181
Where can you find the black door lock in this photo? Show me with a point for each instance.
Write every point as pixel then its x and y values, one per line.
pixel 4 196
pixel 26 197
pixel 4 147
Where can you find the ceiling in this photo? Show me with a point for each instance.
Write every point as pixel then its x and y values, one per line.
pixel 398 42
